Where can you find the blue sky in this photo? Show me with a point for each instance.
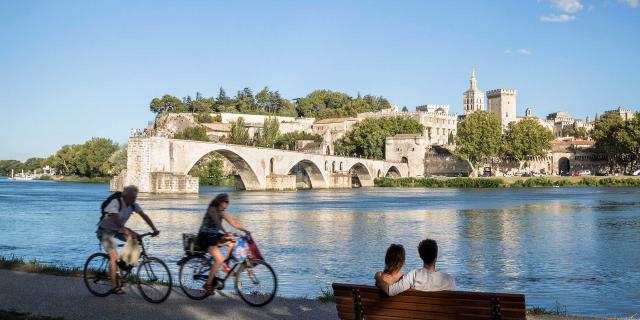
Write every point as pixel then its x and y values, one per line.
pixel 72 70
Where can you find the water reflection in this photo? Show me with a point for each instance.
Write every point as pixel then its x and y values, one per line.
pixel 576 246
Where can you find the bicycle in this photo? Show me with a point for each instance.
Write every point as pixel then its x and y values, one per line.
pixel 152 278
pixel 256 282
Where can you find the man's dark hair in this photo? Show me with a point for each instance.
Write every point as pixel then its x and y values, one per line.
pixel 428 250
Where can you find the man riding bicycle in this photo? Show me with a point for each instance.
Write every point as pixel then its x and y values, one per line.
pixel 116 213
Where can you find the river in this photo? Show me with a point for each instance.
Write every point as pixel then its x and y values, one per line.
pixel 575 247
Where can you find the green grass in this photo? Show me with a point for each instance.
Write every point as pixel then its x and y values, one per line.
pixel 440 182
pixel 13 315
pixel 19 264
pixel 558 310
pixel 510 182
pixel 326 295
pixel 85 179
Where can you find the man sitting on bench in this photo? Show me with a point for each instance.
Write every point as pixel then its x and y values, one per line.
pixel 423 279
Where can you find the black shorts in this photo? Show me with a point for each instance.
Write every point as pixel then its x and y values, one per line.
pixel 207 239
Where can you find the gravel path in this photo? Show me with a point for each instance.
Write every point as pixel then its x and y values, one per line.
pixel 68 297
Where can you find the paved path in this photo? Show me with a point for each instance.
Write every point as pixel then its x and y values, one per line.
pixel 68 297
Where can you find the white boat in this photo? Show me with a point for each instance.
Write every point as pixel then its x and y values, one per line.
pixel 21 176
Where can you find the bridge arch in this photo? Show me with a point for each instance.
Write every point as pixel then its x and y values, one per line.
pixel 248 178
pixel 308 175
pixel 393 172
pixel 360 176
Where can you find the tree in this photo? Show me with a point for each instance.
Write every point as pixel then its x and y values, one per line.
pixel 527 138
pixel 579 132
pixel 117 161
pixel 451 140
pixel 288 140
pixel 64 160
pixel 367 138
pixel 479 136
pixel 209 169
pixel 167 103
pixel 197 133
pixel 327 104
pixel 91 159
pixel 604 134
pixel 239 133
pixel 405 109
pixel 7 165
pixel 269 134
pixel 245 102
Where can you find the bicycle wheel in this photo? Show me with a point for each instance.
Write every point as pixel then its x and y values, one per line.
pixel 96 274
pixel 154 280
pixel 256 283
pixel 193 275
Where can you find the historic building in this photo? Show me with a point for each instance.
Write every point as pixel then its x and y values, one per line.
pixel 562 123
pixel 625 113
pixel 473 99
pixel 502 102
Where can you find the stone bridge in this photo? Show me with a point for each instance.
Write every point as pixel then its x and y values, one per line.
pixel 160 165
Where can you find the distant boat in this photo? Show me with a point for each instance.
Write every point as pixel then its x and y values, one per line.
pixel 21 176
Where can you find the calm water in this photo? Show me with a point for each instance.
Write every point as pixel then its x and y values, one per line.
pixel 579 247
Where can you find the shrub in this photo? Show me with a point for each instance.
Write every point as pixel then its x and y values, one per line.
pixel 203 118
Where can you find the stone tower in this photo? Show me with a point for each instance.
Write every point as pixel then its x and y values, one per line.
pixel 502 102
pixel 473 98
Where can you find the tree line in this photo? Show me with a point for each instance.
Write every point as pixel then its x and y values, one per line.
pixel 618 141
pixel 97 157
pixel 319 104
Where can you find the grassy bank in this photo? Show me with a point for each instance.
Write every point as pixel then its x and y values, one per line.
pixel 19 264
pixel 76 179
pixel 508 182
pixel 12 315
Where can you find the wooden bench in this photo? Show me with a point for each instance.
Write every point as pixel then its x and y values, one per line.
pixel 356 302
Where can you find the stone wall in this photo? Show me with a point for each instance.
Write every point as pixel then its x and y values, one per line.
pixel 445 165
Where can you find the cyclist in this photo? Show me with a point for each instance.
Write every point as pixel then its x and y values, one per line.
pixel 112 226
pixel 212 234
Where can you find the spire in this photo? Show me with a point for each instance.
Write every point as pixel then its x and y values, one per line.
pixel 474 83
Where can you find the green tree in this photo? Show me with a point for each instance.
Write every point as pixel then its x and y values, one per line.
pixel 479 136
pixel 34 164
pixel 288 140
pixel 367 138
pixel 269 134
pixel 527 138
pixel 91 159
pixel 209 169
pixel 117 161
pixel 204 118
pixel 245 101
pixel 7 165
pixel 197 133
pixel 604 133
pixel 239 133
pixel 167 103
pixel 580 133
pixel 327 104
pixel 65 159
pixel 405 109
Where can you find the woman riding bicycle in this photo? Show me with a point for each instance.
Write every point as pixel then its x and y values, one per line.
pixel 212 234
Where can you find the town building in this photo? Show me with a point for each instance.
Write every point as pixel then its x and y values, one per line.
pixel 502 102
pixel 473 99
pixel 625 113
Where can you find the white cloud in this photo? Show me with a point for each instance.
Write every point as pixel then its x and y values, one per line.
pixel 569 6
pixel 630 3
pixel 557 18
pixel 524 51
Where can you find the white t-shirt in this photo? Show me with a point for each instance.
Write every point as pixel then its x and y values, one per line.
pixel 423 280
pixel 123 214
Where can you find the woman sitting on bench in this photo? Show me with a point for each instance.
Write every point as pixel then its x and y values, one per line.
pixel 393 262
pixel 423 279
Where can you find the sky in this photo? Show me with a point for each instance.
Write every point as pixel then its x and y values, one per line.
pixel 72 70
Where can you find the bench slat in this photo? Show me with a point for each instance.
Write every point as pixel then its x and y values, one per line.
pixel 438 305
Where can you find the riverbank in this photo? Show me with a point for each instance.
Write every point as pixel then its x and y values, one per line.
pixel 508 182
pixel 58 291
pixel 75 179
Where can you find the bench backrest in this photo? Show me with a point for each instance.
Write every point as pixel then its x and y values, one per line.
pixel 366 302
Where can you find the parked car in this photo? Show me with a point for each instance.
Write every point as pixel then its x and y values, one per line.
pixel 526 174
pixel 565 174
pixel 636 173
pixel 537 174
pixel 602 173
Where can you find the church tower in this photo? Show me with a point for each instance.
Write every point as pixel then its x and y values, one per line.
pixel 473 98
